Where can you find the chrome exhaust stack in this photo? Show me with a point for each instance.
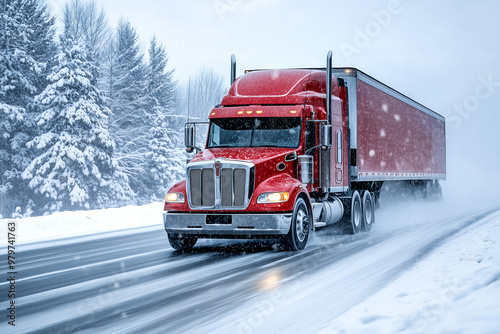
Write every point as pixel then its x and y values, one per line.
pixel 329 87
pixel 326 135
pixel 233 68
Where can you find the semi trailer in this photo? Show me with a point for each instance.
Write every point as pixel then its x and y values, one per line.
pixel 290 151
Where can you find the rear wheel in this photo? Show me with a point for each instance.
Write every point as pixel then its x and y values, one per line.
pixel 438 192
pixel 353 216
pixel 296 239
pixel 368 208
pixel 181 242
pixel 433 190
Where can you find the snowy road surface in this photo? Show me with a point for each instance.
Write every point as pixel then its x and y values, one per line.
pixel 411 274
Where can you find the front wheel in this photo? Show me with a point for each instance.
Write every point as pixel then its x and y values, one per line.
pixel 181 242
pixel 296 239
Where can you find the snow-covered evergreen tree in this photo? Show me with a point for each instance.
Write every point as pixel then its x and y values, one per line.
pixel 160 83
pixel 166 159
pixel 88 24
pixel 130 105
pixel 165 154
pixel 74 168
pixel 42 45
pixel 26 48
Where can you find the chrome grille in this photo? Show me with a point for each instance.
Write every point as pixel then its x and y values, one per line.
pixel 228 188
pixel 202 187
pixel 232 187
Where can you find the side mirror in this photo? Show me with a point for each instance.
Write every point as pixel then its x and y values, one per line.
pixel 189 136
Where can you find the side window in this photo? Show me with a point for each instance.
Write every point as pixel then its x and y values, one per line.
pixel 216 136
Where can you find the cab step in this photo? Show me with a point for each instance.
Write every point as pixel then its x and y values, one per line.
pixel 319 224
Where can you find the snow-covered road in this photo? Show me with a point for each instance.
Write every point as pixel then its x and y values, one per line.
pixel 410 274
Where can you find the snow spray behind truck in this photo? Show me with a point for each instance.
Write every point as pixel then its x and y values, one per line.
pixel 290 151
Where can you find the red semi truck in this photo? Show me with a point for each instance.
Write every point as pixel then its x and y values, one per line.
pixel 290 151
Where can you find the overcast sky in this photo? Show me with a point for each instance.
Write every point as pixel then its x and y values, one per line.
pixel 416 46
pixel 444 54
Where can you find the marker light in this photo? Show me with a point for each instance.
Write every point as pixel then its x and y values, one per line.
pixel 174 198
pixel 213 114
pixel 275 197
pixel 240 112
pixel 249 112
pixel 293 111
pixel 259 111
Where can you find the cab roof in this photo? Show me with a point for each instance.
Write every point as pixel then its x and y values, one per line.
pixel 274 87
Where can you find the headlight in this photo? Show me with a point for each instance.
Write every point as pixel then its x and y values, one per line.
pixel 276 197
pixel 174 198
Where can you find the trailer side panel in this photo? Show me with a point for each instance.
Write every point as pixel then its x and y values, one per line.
pixel 397 140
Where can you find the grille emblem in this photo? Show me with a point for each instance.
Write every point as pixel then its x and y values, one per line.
pixel 217 167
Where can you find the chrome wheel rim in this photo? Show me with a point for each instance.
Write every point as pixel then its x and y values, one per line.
pixel 368 212
pixel 301 226
pixel 356 211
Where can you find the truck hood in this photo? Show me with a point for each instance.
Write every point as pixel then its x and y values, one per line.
pixel 256 155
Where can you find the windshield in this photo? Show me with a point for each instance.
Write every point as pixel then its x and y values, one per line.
pixel 255 132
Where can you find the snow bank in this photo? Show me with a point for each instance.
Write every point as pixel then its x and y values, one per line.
pixel 78 223
pixel 454 290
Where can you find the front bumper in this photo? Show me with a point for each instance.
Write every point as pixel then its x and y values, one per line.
pixel 235 225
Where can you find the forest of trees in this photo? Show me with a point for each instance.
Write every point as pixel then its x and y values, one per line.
pixel 87 120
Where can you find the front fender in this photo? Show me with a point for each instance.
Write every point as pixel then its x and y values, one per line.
pixel 280 182
pixel 179 187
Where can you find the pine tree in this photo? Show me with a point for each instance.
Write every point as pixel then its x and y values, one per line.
pixel 166 159
pixel 88 24
pixel 165 156
pixel 130 106
pixel 161 86
pixel 41 46
pixel 26 47
pixel 74 168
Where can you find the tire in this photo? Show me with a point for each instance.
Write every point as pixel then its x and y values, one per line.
pixel 419 190
pixel 433 191
pixel 297 237
pixel 438 192
pixel 353 216
pixel 180 242
pixel 368 211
